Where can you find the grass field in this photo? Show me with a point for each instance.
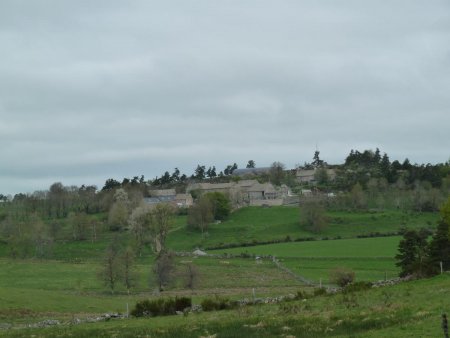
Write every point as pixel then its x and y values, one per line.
pixel 276 223
pixel 67 286
pixel 409 309
pixel 37 288
pixel 370 258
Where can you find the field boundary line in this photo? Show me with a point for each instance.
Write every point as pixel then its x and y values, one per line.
pixel 290 272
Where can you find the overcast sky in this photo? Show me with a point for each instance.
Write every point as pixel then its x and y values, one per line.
pixel 96 89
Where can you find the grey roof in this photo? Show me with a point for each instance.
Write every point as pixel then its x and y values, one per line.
pixel 159 199
pixel 251 171
pixel 163 192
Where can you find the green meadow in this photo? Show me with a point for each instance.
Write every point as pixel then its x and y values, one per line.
pixel 411 309
pixel 66 286
pixel 370 258
pixel 256 224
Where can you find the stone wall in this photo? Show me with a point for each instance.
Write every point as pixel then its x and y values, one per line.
pixel 270 203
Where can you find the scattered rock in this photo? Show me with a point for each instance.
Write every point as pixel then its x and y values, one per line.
pixel 45 323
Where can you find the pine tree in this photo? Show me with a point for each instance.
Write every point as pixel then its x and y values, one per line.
pixel 439 250
pixel 412 253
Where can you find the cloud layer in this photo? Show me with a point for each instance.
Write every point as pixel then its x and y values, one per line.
pixel 97 89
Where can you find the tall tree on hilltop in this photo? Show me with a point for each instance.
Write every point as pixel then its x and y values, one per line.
pixel 211 172
pixel 251 164
pixel 317 162
pixel 200 172
pixel 175 175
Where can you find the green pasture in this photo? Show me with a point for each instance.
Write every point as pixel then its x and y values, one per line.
pixel 31 288
pixel 66 286
pixel 366 269
pixel 370 258
pixel 246 225
pixel 411 309
pixel 252 224
pixel 238 273
pixel 354 247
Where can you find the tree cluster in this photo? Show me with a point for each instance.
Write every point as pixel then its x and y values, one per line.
pixel 118 266
pixel 208 207
pixel 417 256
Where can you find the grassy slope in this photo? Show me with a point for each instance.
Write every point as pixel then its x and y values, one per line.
pixel 361 247
pixel 265 224
pixel 407 310
pixel 370 258
pixel 32 290
pixel 35 288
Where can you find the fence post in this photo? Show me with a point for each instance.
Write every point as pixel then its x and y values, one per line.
pixel 445 325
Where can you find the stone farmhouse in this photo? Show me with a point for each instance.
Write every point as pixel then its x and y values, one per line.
pixel 308 175
pixel 245 192
pixel 169 196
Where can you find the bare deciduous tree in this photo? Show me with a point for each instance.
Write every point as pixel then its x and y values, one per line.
pixel 201 214
pixel 191 276
pixel 118 214
pixel 151 223
pixel 129 275
pixel 139 222
pixel 163 270
pixel 110 272
pixel 312 215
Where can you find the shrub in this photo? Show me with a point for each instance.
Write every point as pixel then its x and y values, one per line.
pixel 182 303
pixel 301 295
pixel 208 304
pixel 358 286
pixel 217 303
pixel 161 307
pixel 320 292
pixel 342 276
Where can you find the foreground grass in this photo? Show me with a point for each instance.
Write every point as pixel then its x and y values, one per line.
pixel 31 289
pixel 410 309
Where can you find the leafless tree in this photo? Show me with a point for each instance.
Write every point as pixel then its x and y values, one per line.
pixel 163 269
pixel 151 223
pixel 201 214
pixel 191 276
pixel 129 277
pixel 312 215
pixel 111 272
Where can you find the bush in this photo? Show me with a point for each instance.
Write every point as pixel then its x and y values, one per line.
pixel 217 303
pixel 320 292
pixel 301 295
pixel 342 276
pixel 182 303
pixel 161 307
pixel 358 286
pixel 208 304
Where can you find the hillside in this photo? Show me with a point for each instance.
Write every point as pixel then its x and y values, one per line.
pixel 65 286
pixel 410 309
pixel 251 225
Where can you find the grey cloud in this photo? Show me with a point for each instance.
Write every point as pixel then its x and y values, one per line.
pixel 98 89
